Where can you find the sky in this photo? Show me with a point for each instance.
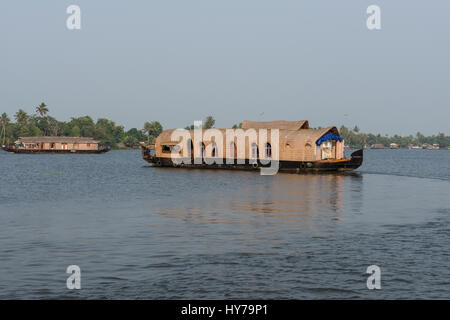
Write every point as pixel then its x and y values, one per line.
pixel 177 61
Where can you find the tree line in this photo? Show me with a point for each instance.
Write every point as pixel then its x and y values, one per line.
pixel 355 138
pixel 115 136
pixel 104 130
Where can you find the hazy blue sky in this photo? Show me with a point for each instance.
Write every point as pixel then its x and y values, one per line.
pixel 179 61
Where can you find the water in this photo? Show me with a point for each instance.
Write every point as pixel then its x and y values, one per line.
pixel 152 233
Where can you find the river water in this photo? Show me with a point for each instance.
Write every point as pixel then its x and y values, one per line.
pixel 138 232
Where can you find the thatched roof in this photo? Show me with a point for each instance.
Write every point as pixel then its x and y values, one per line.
pixel 304 135
pixel 57 140
pixel 280 124
pixel 294 145
pixel 165 137
pixel 286 135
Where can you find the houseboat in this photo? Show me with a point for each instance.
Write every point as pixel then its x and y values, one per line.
pixel 33 145
pixel 299 148
pixel 394 146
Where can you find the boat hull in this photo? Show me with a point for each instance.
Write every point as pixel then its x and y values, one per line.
pixel 28 151
pixel 348 164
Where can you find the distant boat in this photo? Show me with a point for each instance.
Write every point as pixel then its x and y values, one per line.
pixel 394 146
pixel 301 149
pixel 431 146
pixel 33 145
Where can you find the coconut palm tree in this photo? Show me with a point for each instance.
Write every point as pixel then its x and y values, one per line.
pixel 4 120
pixel 209 122
pixel 42 109
pixel 153 129
pixel 21 116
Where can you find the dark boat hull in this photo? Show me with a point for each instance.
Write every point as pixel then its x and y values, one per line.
pixel 24 151
pixel 284 166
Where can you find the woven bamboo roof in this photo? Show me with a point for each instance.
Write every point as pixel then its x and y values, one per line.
pixel 279 124
pixel 57 140
pixel 286 135
pixel 304 135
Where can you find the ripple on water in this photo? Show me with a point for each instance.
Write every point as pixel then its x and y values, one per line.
pixel 142 233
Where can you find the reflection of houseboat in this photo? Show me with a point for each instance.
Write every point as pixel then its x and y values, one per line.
pixel 56 145
pixel 299 149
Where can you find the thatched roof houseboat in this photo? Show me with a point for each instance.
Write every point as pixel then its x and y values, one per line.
pixel 292 144
pixel 56 145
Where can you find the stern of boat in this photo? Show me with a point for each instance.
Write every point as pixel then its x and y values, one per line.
pixel 357 158
pixel 148 152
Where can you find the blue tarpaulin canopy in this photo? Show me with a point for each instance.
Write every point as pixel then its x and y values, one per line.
pixel 328 136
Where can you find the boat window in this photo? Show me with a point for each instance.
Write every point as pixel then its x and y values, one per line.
pixel 268 149
pixel 214 150
pixel 233 150
pixel 176 148
pixel 254 150
pixel 166 148
pixel 203 148
pixel 190 147
pixel 52 145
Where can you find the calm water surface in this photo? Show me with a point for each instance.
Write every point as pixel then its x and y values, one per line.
pixel 139 232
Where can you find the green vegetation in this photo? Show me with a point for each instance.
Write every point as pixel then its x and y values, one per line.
pixel 207 124
pixel 110 134
pixel 104 130
pixel 153 130
pixel 354 138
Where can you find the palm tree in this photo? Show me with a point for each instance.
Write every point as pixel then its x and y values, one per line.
pixel 42 109
pixel 209 122
pixel 153 129
pixel 21 116
pixel 4 120
pixel 53 126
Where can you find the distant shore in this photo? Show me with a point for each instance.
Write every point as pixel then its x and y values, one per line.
pixel 116 137
pixel 428 147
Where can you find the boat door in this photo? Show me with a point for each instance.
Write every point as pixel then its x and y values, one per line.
pixel 328 149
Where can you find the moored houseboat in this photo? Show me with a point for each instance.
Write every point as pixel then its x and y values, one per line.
pixel 298 148
pixel 58 144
